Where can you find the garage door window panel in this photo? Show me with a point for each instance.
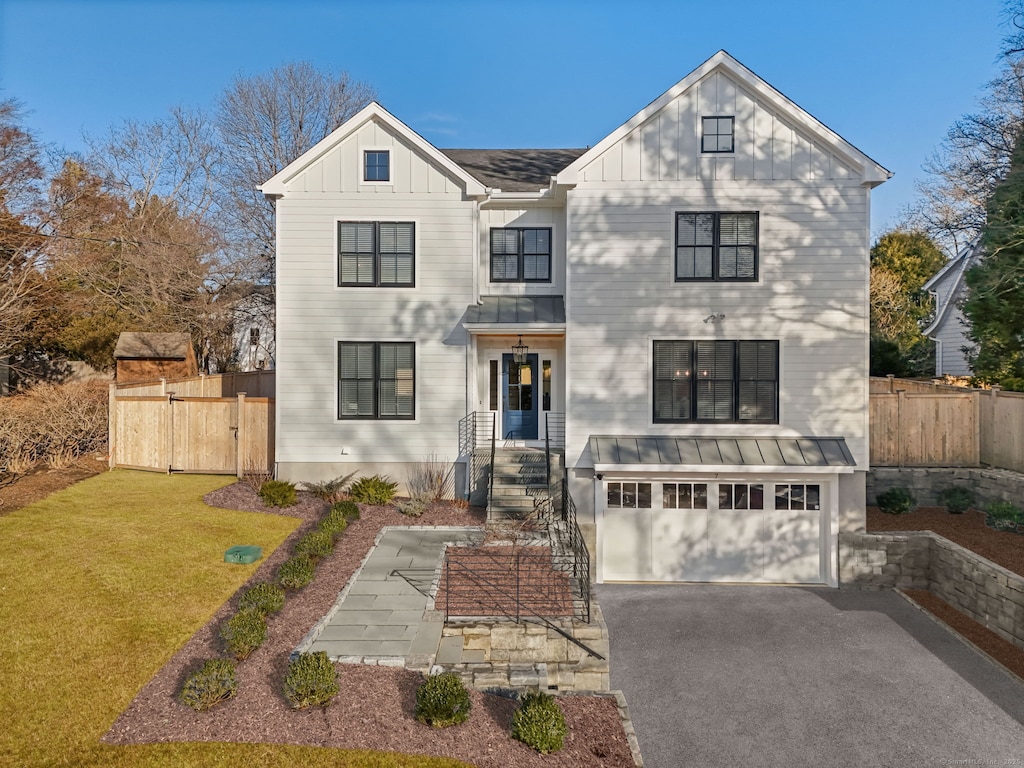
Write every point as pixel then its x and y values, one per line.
pixel 684 496
pixel 629 495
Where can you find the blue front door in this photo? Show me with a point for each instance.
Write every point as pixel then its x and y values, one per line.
pixel 519 398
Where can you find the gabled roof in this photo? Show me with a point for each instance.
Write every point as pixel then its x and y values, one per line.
pixel 514 170
pixel 278 184
pixel 870 171
pixel 133 345
pixel 955 269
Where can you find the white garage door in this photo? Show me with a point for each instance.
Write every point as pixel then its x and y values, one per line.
pixel 713 531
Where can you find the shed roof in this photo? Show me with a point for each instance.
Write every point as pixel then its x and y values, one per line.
pixel 516 310
pixel 161 346
pixel 667 453
pixel 514 170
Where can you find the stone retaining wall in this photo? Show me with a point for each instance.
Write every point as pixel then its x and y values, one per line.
pixel 988 593
pixel 927 482
pixel 530 655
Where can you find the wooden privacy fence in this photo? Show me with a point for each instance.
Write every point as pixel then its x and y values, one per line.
pixel 173 433
pixel 919 424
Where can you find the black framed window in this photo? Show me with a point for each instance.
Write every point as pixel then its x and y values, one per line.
pixel 717 134
pixel 716 246
pixel 716 381
pixel 377 253
pixel 376 380
pixel 520 255
pixel 376 165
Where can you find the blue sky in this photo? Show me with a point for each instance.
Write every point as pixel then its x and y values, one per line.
pixel 890 76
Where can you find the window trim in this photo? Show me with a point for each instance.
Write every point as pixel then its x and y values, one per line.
pixel 716 245
pixel 377 343
pixel 520 255
pixel 732 134
pixel 694 382
pixel 366 166
pixel 376 254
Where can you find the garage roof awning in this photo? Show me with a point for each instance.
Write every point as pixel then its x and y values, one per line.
pixel 659 453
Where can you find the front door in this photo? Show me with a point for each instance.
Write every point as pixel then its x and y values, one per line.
pixel 519 398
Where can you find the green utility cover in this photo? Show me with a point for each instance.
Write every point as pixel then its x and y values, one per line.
pixel 243 553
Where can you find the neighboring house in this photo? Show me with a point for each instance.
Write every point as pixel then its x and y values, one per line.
pixel 254 330
pixel 949 328
pixel 692 291
pixel 149 356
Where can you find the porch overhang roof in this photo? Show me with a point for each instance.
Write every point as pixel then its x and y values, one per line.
pixel 665 453
pixel 516 314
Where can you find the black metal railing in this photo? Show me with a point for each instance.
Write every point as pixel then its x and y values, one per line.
pixel 490 467
pixel 476 429
pixel 554 438
pixel 569 553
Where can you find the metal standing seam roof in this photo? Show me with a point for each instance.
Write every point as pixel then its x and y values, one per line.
pixel 764 452
pixel 516 310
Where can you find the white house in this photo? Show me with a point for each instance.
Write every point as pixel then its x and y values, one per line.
pixel 691 291
pixel 948 328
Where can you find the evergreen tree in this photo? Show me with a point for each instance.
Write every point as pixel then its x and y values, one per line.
pixel 995 287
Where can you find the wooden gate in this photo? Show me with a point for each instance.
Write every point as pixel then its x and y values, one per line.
pixel 216 435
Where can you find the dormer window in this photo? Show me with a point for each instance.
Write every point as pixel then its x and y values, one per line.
pixel 717 134
pixel 376 165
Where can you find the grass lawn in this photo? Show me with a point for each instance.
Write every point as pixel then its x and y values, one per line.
pixel 99 585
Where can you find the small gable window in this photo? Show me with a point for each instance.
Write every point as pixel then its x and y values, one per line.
pixel 377 165
pixel 717 134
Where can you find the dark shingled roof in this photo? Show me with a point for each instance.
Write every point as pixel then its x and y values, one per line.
pixel 514 170
pixel 162 346
pixel 524 310
pixel 756 452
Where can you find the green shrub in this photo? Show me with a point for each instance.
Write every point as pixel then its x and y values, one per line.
pixel 1003 515
pixel 244 632
pixel 278 493
pixel 377 490
pixel 957 499
pixel 539 723
pixel 333 522
pixel 442 700
pixel 412 507
pixel 266 597
pixel 896 501
pixel 315 545
pixel 295 572
pixel 312 680
pixel 331 491
pixel 211 684
pixel 347 509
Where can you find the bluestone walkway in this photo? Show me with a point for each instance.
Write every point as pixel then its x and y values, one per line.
pixel 385 614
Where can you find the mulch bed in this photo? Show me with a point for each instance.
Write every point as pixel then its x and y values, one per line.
pixel 374 709
pixel 969 531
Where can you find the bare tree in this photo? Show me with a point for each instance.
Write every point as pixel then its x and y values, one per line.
pixel 22 252
pixel 266 121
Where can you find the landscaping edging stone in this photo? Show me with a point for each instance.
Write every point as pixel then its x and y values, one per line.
pixel 988 593
pixel 505 654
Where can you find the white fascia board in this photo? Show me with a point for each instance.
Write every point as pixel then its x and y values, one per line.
pixel 506 329
pixel 277 186
pixel 745 469
pixel 871 172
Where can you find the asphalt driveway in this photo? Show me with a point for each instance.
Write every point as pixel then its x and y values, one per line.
pixel 789 676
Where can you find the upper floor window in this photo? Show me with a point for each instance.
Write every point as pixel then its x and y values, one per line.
pixel 520 255
pixel 716 381
pixel 717 134
pixel 376 380
pixel 376 165
pixel 376 253
pixel 716 246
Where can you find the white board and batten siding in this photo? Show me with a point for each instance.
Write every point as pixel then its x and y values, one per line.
pixel 811 296
pixel 314 314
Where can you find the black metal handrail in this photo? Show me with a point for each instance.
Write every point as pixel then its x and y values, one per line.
pixel 569 549
pixel 490 473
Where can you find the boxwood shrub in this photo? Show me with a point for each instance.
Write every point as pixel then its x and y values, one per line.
pixel 539 723
pixel 296 572
pixel 442 700
pixel 896 501
pixel 244 632
pixel 312 680
pixel 211 684
pixel 265 597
